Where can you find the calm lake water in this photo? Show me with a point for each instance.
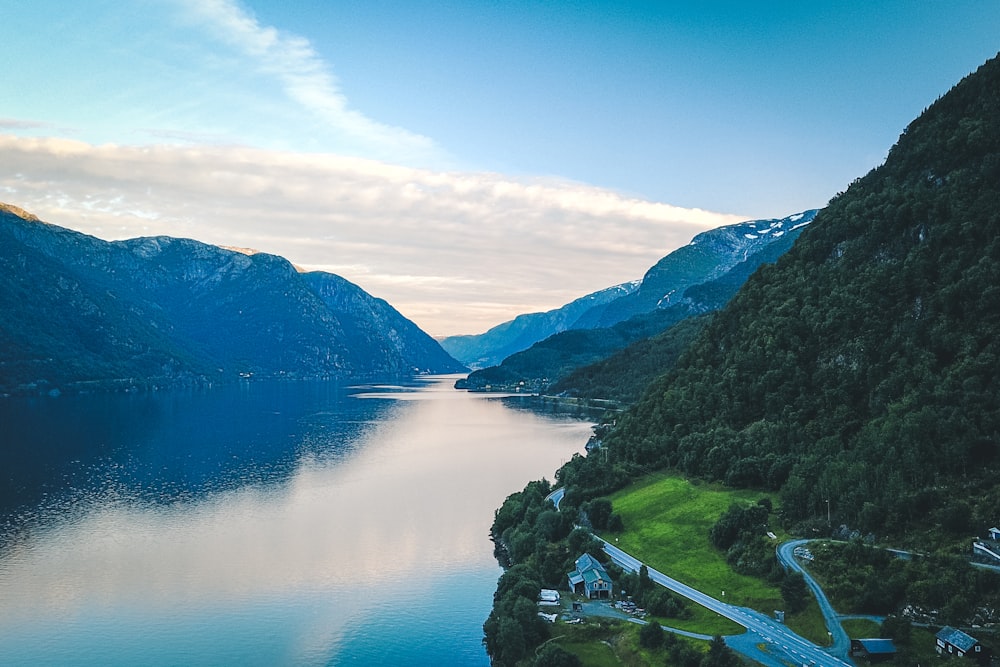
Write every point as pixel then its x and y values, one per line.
pixel 261 524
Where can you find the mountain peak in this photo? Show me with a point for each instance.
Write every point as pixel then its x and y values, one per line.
pixel 19 212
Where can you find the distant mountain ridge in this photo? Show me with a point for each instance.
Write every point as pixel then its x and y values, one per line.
pixel 492 347
pixel 708 256
pixel 694 279
pixel 84 313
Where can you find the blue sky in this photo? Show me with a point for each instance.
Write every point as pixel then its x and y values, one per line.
pixel 465 160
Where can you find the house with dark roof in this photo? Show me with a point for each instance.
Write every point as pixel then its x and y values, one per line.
pixel 873 650
pixel 590 578
pixel 952 641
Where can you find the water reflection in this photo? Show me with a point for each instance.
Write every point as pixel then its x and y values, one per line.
pixel 300 509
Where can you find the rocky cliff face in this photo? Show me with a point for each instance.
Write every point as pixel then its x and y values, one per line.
pixel 81 312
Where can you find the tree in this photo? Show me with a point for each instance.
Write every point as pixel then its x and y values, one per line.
pixel 510 645
pixel 794 592
pixel 651 635
pixel 599 512
pixel 719 655
pixel 553 655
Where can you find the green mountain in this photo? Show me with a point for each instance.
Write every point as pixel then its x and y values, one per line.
pixel 707 257
pixel 493 346
pixel 860 370
pixel 694 279
pixel 84 314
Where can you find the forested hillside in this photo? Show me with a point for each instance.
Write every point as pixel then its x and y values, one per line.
pixel 861 368
pixel 695 279
pixel 624 375
pixel 83 314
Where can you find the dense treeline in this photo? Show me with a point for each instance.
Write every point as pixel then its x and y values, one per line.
pixel 861 367
pixel 559 354
pixel 936 588
pixel 624 375
pixel 538 545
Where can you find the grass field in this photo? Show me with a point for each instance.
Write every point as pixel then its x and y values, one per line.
pixel 667 519
pixel 603 643
pixel 860 628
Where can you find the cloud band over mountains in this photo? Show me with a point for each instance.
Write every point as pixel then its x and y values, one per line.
pixel 454 251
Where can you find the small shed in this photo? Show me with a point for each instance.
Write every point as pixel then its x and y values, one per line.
pixel 590 578
pixel 995 534
pixel 952 641
pixel 873 650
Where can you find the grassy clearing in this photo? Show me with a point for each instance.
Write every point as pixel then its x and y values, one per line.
pixel 861 628
pixel 667 519
pixel 604 643
pixel 702 621
pixel 810 624
pixel 600 642
pixel 591 653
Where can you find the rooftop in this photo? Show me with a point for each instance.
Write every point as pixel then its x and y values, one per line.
pixel 956 638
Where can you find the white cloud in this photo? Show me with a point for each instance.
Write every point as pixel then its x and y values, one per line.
pixel 305 77
pixel 457 252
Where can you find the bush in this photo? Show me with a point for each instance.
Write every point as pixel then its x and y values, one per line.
pixel 553 655
pixel 651 635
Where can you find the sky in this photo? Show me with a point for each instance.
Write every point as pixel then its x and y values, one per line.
pixel 466 160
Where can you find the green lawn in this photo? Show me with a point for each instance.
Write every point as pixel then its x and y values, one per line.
pixel 861 628
pixel 667 519
pixel 592 653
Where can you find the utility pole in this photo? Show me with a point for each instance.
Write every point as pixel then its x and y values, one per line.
pixel 828 522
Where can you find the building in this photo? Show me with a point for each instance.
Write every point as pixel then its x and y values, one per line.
pixel 547 596
pixel 590 579
pixel 873 650
pixel 951 641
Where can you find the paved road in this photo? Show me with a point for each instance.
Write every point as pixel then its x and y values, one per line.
pixel 841 642
pixel 781 646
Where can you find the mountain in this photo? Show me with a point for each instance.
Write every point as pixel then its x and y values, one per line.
pixel 492 347
pixel 404 347
pixel 858 374
pixel 85 313
pixel 740 249
pixel 709 255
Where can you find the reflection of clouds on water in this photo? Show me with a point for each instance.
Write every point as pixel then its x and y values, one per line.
pixel 409 504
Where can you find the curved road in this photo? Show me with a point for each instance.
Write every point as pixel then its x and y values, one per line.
pixel 784 647
pixel 841 642
pixel 781 646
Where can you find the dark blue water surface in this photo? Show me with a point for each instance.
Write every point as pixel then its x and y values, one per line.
pixel 259 524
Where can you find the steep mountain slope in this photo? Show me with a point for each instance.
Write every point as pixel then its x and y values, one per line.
pixel 405 347
pixel 83 312
pixel 624 375
pixel 551 360
pixel 861 369
pixel 710 255
pixel 492 347
pixel 707 257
